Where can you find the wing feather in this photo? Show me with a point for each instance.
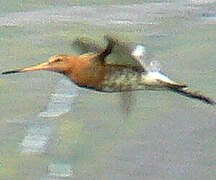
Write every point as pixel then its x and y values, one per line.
pixel 116 52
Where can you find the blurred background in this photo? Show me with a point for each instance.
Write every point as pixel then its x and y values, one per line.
pixel 51 129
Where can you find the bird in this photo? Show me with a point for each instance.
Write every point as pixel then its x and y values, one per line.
pixel 128 73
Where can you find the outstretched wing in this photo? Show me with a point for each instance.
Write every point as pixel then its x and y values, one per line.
pixel 116 52
pixel 122 54
pixel 85 45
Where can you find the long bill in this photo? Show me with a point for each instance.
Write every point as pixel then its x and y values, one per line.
pixel 43 66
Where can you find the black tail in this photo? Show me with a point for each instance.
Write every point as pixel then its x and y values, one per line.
pixel 194 95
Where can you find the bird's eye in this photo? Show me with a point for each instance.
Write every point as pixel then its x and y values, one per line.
pixel 57 60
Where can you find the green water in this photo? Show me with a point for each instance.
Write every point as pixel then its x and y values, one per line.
pixel 166 136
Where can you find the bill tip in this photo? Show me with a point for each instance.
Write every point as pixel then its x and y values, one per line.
pixel 11 72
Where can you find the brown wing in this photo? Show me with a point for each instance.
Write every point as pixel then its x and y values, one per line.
pixel 85 45
pixel 116 52
pixel 122 54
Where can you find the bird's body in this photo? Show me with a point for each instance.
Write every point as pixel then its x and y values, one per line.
pixel 86 71
pixel 123 78
pixel 91 70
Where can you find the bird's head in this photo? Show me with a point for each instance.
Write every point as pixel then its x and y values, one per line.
pixel 60 63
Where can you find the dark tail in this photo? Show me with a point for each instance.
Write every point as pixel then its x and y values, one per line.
pixel 194 95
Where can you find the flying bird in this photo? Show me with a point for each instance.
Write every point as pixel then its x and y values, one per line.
pixel 127 73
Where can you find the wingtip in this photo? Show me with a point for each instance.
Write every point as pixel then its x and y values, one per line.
pixel 195 95
pixel 85 45
pixel 108 49
pixel 211 102
pixel 111 38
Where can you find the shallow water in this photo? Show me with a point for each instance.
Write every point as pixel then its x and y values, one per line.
pixel 50 129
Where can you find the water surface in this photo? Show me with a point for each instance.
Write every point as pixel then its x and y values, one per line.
pixel 50 129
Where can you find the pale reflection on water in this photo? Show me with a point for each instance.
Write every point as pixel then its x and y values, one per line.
pixel 61 100
pixel 60 170
pixel 38 132
pixel 36 138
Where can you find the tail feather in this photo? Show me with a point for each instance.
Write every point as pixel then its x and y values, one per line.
pixel 172 85
pixel 194 95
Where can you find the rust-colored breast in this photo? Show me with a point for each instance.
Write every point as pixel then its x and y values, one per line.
pixel 88 72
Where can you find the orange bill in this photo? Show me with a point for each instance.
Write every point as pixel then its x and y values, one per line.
pixel 43 66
